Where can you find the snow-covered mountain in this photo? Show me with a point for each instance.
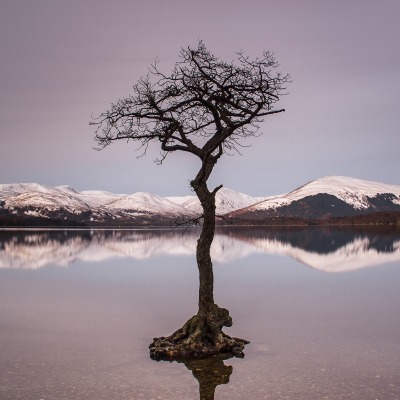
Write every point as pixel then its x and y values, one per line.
pixel 355 192
pixel 144 204
pixel 94 198
pixel 226 200
pixel 37 200
pixel 333 196
pixel 64 203
pixel 329 197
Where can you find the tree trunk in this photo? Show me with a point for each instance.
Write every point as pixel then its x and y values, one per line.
pixel 202 334
pixel 203 252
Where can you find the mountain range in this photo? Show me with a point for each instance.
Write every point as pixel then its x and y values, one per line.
pixel 328 198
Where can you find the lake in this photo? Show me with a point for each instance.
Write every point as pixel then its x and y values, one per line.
pixel 78 309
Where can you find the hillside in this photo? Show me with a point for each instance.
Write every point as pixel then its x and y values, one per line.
pixel 35 204
pixel 333 200
pixel 330 198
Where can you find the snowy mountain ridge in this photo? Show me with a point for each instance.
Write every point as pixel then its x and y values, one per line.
pixel 325 197
pixel 35 200
pixel 350 190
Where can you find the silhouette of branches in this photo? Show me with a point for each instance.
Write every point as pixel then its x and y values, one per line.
pixel 205 106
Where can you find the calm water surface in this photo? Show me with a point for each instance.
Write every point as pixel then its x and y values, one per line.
pixel 79 308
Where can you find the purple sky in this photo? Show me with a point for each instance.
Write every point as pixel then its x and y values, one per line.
pixel 62 61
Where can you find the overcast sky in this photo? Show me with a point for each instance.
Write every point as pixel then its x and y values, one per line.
pixel 62 61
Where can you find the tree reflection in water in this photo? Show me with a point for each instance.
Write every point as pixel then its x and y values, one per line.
pixel 209 372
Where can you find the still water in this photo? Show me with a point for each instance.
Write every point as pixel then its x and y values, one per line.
pixel 78 310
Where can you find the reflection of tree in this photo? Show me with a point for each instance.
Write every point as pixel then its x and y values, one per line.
pixel 210 372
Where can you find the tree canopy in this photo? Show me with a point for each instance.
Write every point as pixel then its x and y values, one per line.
pixel 206 106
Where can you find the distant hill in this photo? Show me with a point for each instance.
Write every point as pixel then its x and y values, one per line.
pixel 34 204
pixel 332 199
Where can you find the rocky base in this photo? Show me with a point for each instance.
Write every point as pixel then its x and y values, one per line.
pixel 201 336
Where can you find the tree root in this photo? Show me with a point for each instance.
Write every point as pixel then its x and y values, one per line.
pixel 201 336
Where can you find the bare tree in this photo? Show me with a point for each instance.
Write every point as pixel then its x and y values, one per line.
pixel 205 107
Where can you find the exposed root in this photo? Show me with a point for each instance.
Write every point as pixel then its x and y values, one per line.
pixel 201 336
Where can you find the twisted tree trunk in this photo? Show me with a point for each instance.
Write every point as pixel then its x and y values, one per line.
pixel 203 249
pixel 202 334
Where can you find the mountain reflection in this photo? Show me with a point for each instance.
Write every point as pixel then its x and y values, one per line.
pixel 330 250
